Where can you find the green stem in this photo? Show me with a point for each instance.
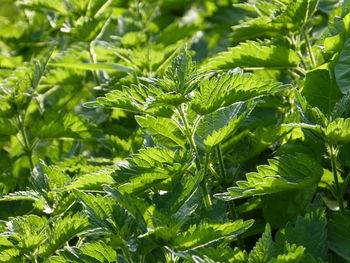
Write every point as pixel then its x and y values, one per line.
pixel 26 144
pixel 234 216
pixel 190 136
pixel 93 60
pixel 300 55
pixel 126 253
pixel 206 196
pixel 333 157
pixel 308 46
pixel 221 162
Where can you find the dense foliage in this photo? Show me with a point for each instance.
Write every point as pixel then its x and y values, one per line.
pixel 174 131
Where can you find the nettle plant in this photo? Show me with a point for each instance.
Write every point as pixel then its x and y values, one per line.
pixel 241 157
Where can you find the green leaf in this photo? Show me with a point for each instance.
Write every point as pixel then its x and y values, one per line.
pixel 253 55
pixel 95 66
pixel 342 69
pixel 94 252
pixel 274 19
pixel 294 255
pixel 264 249
pixel 180 194
pixel 164 127
pixel 143 182
pixel 282 207
pixel 256 142
pixel 90 181
pixel 27 233
pixel 339 234
pixel 133 205
pixel 153 166
pixel 7 127
pixel 181 75
pixel 219 255
pixel 63 230
pixel 310 231
pixel 56 178
pixel 57 6
pixel 257 28
pixel 100 251
pixel 283 173
pixel 216 127
pixel 227 89
pixel 338 131
pixel 320 89
pixel 140 99
pixel 67 125
pixel 103 211
pixel 341 107
pixel 297 13
pixel 21 195
pixel 85 28
pixel 206 233
pixel 336 42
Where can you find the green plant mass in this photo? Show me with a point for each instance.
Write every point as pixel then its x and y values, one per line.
pixel 174 131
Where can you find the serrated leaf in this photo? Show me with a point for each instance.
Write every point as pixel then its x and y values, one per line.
pixel 338 131
pixel 90 181
pixel 297 13
pixel 310 231
pixel 257 28
pixel 216 127
pixel 140 99
pixel 86 28
pixel 341 107
pixel 21 195
pixel 339 234
pixel 133 205
pixel 295 255
pixel 63 230
pixel 100 209
pixel 320 89
pixel 206 233
pixel 58 6
pixel 7 127
pixel 342 69
pixel 164 127
pixel 227 89
pixel 264 249
pixel 283 173
pixel 173 200
pixel 26 233
pixel 253 55
pixel 100 251
pixel 68 125
pixel 220 255
pixel 143 182
pixel 95 66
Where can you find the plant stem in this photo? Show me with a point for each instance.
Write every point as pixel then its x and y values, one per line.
pixel 308 46
pixel 26 144
pixel 221 162
pixel 234 215
pixel 206 196
pixel 333 157
pixel 189 136
pixel 93 60
pixel 127 255
pixel 231 204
